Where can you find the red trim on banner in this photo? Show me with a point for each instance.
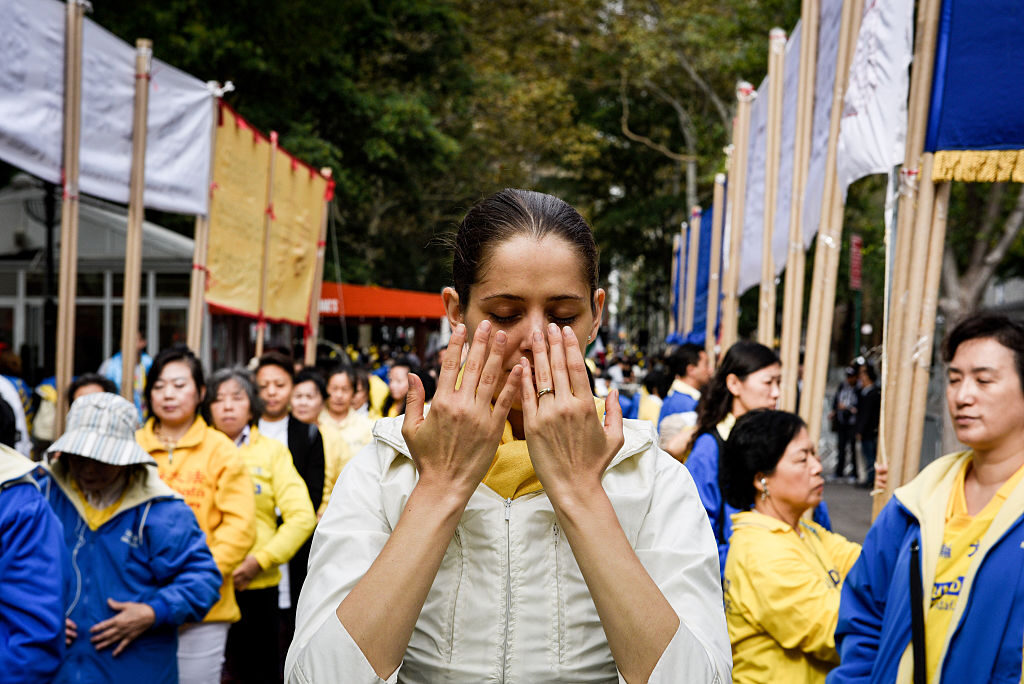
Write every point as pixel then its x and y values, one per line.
pixel 329 192
pixel 294 162
pixel 227 310
pixel 321 244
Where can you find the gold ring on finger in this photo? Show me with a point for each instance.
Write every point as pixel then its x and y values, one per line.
pixel 542 392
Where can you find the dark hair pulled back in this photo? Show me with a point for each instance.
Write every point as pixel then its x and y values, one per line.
pixel 756 444
pixel 742 359
pixel 511 213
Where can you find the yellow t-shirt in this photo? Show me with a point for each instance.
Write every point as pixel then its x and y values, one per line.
pixel 95 518
pixel 960 540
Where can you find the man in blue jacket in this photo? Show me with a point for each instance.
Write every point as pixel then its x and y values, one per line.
pixel 139 565
pixel 939 587
pixel 31 596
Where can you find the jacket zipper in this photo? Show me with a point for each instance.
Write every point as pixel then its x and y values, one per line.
pixel 558 595
pixel 508 585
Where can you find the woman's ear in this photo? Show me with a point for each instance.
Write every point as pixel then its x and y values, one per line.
pixel 452 307
pixel 733 384
pixel 599 297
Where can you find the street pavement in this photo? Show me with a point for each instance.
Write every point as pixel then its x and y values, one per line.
pixel 850 509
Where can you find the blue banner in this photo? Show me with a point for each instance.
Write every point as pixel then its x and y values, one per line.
pixel 979 68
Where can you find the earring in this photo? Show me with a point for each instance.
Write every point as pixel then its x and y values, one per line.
pixel 764 489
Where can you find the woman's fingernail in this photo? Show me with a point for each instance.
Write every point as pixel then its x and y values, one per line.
pixel 485 326
pixel 538 336
pixel 567 331
pixel 500 337
pixel 552 328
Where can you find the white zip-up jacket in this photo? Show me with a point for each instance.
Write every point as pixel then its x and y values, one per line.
pixel 509 603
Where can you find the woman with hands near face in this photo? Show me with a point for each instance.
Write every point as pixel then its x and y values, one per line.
pixel 510 532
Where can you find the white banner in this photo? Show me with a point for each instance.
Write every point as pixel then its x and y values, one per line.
pixel 784 198
pixel 32 119
pixel 874 126
pixel 824 81
pixel 753 209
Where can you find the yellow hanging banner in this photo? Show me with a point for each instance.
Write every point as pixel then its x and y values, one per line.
pixel 298 205
pixel 237 213
pixel 239 208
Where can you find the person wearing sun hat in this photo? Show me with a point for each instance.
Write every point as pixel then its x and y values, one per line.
pixel 139 565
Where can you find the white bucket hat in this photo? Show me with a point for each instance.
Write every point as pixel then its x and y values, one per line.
pixel 101 426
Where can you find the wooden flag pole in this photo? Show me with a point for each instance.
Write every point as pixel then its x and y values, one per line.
pixel 921 361
pixel 793 293
pixel 892 436
pixel 197 286
pixel 68 277
pixel 265 261
pixel 911 345
pixel 691 270
pixel 136 214
pixel 826 256
pixel 313 333
pixel 714 268
pixel 773 152
pixel 745 95
pixel 676 294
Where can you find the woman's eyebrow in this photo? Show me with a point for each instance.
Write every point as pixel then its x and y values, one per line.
pixel 517 298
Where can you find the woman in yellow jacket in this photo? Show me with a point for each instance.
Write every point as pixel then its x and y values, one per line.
pixel 783 573
pixel 308 397
pixel 235 407
pixel 202 465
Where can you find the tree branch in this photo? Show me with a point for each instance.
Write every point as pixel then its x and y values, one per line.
pixel 684 62
pixel 635 137
pixel 1011 229
pixel 988 227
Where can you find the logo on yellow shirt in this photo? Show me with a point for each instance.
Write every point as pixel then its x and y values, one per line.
pixel 940 590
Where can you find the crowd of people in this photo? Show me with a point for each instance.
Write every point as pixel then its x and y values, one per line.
pixel 509 513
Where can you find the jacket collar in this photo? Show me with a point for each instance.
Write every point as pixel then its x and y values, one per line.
pixel 638 437
pixel 150 442
pixel 13 466
pixel 683 387
pixel 926 498
pixel 753 518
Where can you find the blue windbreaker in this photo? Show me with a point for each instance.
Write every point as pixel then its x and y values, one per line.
pixel 703 466
pixel 31 592
pixel 151 551
pixel 874 627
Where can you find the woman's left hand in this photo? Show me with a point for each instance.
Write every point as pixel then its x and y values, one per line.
pixel 245 572
pixel 569 446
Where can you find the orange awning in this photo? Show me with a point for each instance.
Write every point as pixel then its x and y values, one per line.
pixel 363 301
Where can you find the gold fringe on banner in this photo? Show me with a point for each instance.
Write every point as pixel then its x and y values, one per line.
pixel 979 166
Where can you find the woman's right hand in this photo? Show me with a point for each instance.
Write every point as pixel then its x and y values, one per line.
pixel 455 444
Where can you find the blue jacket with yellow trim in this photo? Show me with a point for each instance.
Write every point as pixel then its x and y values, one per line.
pixel 151 551
pixel 874 628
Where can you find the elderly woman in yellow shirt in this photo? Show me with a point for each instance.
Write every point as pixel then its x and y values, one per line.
pixel 783 573
pixel 308 397
pixel 235 407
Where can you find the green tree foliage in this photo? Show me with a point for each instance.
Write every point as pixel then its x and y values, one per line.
pixel 422 106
